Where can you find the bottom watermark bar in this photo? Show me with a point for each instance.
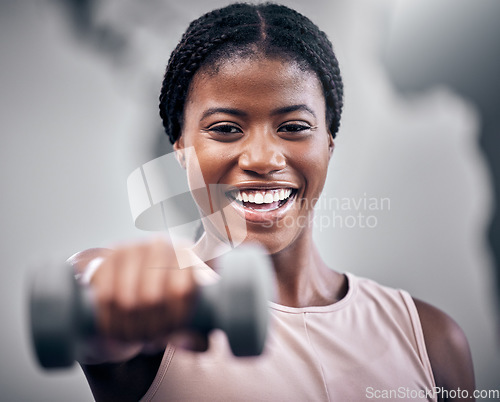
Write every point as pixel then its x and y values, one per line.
pixel 405 393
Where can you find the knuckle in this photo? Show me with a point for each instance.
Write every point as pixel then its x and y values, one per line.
pixel 127 306
pixel 182 287
pixel 103 295
pixel 152 301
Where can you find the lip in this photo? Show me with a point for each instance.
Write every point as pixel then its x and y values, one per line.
pixel 259 185
pixel 256 216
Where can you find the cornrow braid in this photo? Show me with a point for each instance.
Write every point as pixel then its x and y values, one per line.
pixel 275 30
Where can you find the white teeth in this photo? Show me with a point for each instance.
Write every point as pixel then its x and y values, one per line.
pixel 263 197
pixel 268 198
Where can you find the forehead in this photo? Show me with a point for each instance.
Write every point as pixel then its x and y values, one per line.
pixel 256 82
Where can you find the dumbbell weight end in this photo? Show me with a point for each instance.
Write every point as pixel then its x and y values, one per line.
pixel 61 312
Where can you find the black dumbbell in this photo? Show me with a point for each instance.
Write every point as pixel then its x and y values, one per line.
pixel 62 312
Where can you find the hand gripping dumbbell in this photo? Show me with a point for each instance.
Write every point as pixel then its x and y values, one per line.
pixel 62 312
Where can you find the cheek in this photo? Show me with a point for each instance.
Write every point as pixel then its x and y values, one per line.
pixel 194 170
pixel 313 162
pixel 201 160
pixel 213 162
pixel 205 167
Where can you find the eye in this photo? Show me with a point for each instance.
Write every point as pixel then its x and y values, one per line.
pixel 294 127
pixel 225 129
pixel 225 132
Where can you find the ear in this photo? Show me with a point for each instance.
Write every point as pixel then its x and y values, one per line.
pixel 179 151
pixel 331 145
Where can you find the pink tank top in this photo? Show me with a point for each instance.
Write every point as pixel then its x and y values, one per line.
pixel 368 344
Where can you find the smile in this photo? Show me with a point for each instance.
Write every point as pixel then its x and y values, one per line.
pixel 262 205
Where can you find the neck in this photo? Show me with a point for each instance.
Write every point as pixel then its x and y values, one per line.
pixel 303 278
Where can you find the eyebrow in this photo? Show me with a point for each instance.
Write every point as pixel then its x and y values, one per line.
pixel 293 108
pixel 241 113
pixel 225 110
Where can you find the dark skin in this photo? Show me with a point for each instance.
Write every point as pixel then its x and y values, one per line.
pixel 255 123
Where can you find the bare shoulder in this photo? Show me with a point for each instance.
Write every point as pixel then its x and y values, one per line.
pixel 447 347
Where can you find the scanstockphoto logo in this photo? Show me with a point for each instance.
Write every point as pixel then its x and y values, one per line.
pixel 165 196
pixel 354 212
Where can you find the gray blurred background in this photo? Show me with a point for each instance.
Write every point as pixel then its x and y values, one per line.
pixel 79 86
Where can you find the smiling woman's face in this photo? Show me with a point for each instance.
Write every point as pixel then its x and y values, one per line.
pixel 259 126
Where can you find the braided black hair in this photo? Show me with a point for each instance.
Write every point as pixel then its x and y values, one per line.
pixel 240 28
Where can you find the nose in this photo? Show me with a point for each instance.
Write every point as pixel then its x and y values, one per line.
pixel 262 154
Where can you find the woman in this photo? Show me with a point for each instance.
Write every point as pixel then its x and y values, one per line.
pixel 255 91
